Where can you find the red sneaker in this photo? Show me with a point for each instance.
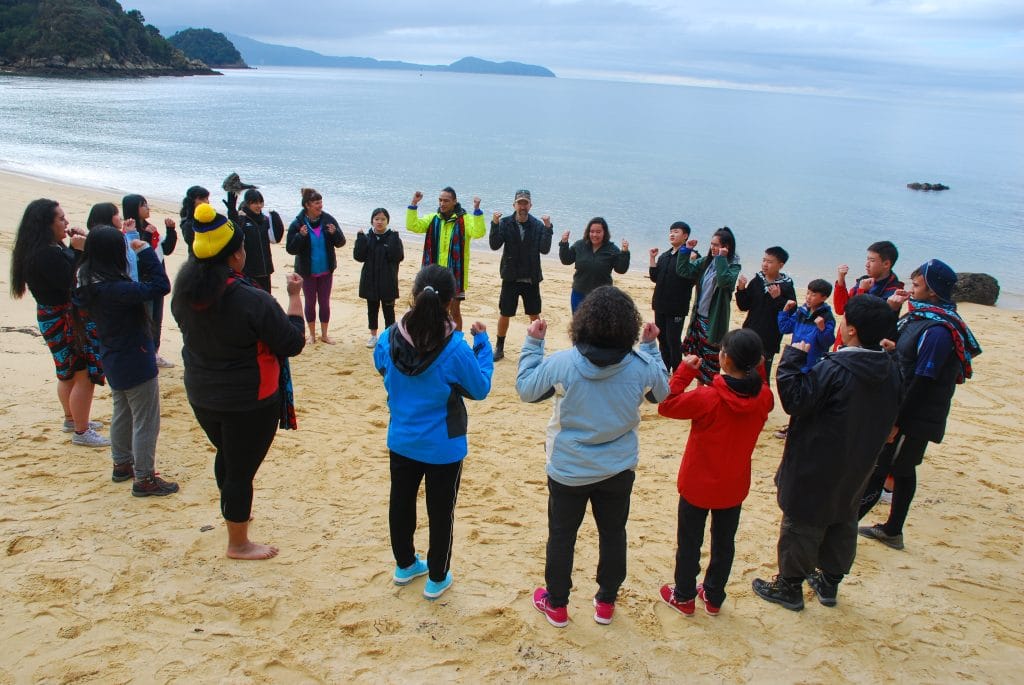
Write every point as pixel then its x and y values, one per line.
pixel 708 606
pixel 603 612
pixel 558 617
pixel 668 596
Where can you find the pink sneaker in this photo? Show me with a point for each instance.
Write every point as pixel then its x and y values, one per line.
pixel 668 596
pixel 603 612
pixel 559 617
pixel 708 606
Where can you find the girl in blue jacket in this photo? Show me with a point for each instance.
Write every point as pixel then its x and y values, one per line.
pixel 428 369
pixel 120 308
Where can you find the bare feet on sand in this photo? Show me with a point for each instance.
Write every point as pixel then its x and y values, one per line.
pixel 252 550
pixel 326 340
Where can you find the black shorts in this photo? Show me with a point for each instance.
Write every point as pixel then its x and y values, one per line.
pixel 511 291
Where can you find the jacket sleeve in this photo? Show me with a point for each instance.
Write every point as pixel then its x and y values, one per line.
pixel 546 234
pixel 621 261
pixel 187 232
pixel 497 237
pixel 276 227
pixel 535 382
pixel 801 393
pixel 170 240
pixel 681 404
pixel 232 204
pixel 840 297
pixel 566 254
pixel 152 276
pixel 296 242
pixel 396 250
pixel 283 334
pixel 726 273
pixel 476 368
pixel 745 299
pixel 359 250
pixel 827 336
pixel 414 223
pixel 658 380
pixel 786 321
pixel 476 227
pixel 338 239
pixel 686 267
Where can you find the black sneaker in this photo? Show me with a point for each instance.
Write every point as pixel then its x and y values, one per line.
pixel 499 354
pixel 122 472
pixel 877 532
pixel 825 590
pixel 780 591
pixel 153 485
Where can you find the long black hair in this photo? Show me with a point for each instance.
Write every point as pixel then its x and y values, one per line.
pixel 200 283
pixel 188 204
pixel 427 323
pixel 104 260
pixel 728 239
pixel 744 347
pixel 35 233
pixel 130 210
pixel 101 214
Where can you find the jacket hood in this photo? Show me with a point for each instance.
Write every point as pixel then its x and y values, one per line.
pixel 870 366
pixel 599 362
pixel 737 403
pixel 407 358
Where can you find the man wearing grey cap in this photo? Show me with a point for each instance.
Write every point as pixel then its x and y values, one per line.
pixel 524 240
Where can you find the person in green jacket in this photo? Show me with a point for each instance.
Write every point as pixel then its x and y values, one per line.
pixel 447 234
pixel 594 256
pixel 715 276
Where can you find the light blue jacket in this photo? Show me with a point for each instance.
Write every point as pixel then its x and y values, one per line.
pixel 425 393
pixel 593 432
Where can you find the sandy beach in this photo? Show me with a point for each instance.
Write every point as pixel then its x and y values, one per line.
pixel 99 586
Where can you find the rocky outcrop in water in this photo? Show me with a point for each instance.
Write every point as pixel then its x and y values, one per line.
pixel 977 288
pixel 927 186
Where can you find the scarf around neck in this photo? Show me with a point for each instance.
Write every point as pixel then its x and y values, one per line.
pixel 965 345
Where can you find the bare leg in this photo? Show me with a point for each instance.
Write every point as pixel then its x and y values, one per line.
pixel 323 334
pixel 533 317
pixel 80 399
pixel 64 396
pixel 502 326
pixel 240 547
pixel 455 309
pixel 312 333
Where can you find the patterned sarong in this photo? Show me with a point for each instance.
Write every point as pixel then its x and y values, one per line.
pixel 696 342
pixel 72 339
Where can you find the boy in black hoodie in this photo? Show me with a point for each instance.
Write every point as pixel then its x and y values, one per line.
pixel 842 411
pixel 763 298
pixel 672 293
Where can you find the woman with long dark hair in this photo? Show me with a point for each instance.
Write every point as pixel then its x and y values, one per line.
pixel 44 265
pixel 236 343
pixel 195 195
pixel 259 230
pixel 136 208
pixel 428 369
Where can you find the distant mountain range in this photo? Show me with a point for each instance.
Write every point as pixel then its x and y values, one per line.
pixel 256 53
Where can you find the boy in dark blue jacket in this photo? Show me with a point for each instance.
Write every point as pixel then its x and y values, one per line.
pixel 812 323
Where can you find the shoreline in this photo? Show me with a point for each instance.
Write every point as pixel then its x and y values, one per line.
pixel 104 587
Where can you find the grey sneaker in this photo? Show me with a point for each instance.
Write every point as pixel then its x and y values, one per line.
pixel 89 438
pixel 69 425
pixel 162 363
pixel 877 532
pixel 371 342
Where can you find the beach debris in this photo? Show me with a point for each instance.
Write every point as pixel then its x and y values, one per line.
pixel 927 186
pixel 233 184
pixel 205 528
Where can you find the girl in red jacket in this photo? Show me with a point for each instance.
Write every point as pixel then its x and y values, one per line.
pixel 714 475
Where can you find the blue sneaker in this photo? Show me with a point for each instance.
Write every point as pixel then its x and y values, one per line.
pixel 404 576
pixel 435 588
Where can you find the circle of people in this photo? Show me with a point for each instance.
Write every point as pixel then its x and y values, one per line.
pixel 864 396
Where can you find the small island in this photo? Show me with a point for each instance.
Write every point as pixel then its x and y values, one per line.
pixel 86 38
pixel 209 47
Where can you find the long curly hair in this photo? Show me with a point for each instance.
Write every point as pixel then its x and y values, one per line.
pixel 35 233
pixel 606 318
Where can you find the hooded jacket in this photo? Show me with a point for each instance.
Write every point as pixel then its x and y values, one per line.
pixel 299 245
pixel 715 471
pixel 593 267
pixel 763 310
pixel 841 412
pixel 521 256
pixel 380 254
pixel 425 392
pixel 672 292
pixel 800 322
pixel 475 228
pixel 727 270
pixel 593 432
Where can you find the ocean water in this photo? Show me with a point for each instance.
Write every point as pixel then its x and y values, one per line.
pixel 822 176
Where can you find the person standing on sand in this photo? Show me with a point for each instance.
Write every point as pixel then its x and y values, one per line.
pixel 314 237
pixel 523 239
pixel 447 236
pixel 381 251
pixel 236 341
pixel 136 208
pixel 44 265
pixel 595 256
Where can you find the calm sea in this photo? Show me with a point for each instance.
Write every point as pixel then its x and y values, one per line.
pixel 821 176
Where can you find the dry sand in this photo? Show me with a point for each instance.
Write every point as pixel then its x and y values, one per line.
pixel 99 586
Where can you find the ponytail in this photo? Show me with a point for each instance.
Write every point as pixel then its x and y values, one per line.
pixel 427 321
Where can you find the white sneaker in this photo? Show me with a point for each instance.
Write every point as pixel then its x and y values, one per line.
pixel 162 363
pixel 89 438
pixel 372 341
pixel 885 497
pixel 69 425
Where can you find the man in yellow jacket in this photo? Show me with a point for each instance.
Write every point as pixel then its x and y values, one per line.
pixel 447 235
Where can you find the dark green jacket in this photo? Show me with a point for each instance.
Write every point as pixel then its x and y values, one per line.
pixel 593 269
pixel 726 273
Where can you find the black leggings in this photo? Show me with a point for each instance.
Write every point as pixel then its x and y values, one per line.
pixel 242 439
pixel 899 458
pixel 372 306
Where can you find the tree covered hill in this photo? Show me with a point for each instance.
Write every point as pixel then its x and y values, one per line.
pixel 208 46
pixel 85 37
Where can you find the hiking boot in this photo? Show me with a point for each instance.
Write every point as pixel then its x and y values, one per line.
pixel 123 472
pixel 404 576
pixel 780 591
pixel 371 342
pixel 877 532
pixel 825 590
pixel 711 609
pixel 603 611
pixel 153 485
pixel 89 438
pixel 668 596
pixel 558 617
pixel 499 354
pixel 69 425
pixel 435 588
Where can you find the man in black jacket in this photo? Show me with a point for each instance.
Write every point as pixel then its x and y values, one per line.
pixel 524 240
pixel 842 410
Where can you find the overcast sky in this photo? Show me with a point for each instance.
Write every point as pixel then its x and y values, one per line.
pixel 838 46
